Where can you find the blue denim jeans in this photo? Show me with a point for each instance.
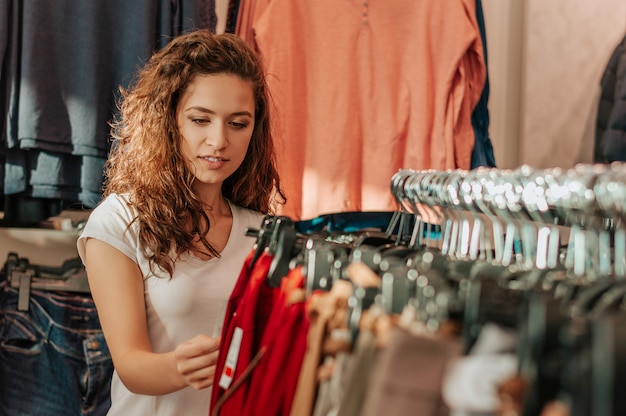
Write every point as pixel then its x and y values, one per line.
pixel 53 357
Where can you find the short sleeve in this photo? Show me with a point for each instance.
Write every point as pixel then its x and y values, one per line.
pixel 112 222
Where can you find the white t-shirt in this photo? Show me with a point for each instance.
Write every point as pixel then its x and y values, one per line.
pixel 190 303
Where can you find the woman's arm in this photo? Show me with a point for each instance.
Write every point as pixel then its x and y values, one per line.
pixel 117 288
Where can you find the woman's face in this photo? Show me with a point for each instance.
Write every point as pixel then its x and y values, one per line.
pixel 215 117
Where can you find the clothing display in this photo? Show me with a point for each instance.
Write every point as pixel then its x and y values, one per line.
pixel 363 89
pixel 380 110
pixel 168 299
pixel 488 314
pixel 53 356
pixel 62 66
pixel 406 273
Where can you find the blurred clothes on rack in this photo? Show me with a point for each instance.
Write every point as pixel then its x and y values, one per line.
pixel 610 138
pixel 289 329
pixel 492 314
pixel 345 221
pixel 469 385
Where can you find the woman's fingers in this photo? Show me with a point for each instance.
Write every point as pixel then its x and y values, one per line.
pixel 196 360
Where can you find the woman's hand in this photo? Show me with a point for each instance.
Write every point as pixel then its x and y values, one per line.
pixel 196 360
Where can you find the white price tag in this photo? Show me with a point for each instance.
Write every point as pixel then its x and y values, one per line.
pixel 231 359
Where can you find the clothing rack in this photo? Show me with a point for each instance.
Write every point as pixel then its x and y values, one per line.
pixel 549 253
pixel 488 211
pixel 536 254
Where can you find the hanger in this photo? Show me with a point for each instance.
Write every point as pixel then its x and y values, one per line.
pixel 284 244
pixel 610 192
pixel 492 293
pixel 323 264
pixel 71 276
pixel 418 272
pixel 399 223
pixel 398 284
pixel 539 348
pixel 360 300
pixel 263 237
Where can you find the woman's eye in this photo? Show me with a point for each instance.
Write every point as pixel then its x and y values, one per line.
pixel 239 125
pixel 199 120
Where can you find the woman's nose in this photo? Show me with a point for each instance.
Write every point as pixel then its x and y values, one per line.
pixel 217 136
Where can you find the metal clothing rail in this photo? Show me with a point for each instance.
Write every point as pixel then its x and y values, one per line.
pixel 522 216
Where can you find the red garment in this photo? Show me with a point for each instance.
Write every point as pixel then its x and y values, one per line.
pixel 237 293
pixel 364 88
pixel 249 310
pixel 274 380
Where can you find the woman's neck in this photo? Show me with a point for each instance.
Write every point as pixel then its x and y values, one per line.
pixel 215 205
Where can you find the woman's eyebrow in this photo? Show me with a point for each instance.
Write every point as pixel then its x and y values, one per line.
pixel 206 110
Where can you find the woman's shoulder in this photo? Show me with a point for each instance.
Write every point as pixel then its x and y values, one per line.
pixel 113 206
pixel 115 200
pixel 112 221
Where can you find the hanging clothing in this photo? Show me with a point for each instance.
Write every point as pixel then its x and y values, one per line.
pixel 408 375
pixel 249 309
pixel 231 16
pixel 323 308
pixel 363 89
pixel 446 326
pixel 482 154
pixel 610 139
pixel 274 380
pixel 62 64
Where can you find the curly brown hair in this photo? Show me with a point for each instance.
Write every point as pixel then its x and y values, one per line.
pixel 145 161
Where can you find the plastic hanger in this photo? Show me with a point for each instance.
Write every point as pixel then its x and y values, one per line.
pixel 71 276
pixel 323 263
pixel 284 243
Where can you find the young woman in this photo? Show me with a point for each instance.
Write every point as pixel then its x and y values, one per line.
pixel 192 166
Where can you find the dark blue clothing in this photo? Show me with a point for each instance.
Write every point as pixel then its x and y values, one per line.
pixel 482 154
pixel 231 16
pixel 610 139
pixel 62 64
pixel 53 356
